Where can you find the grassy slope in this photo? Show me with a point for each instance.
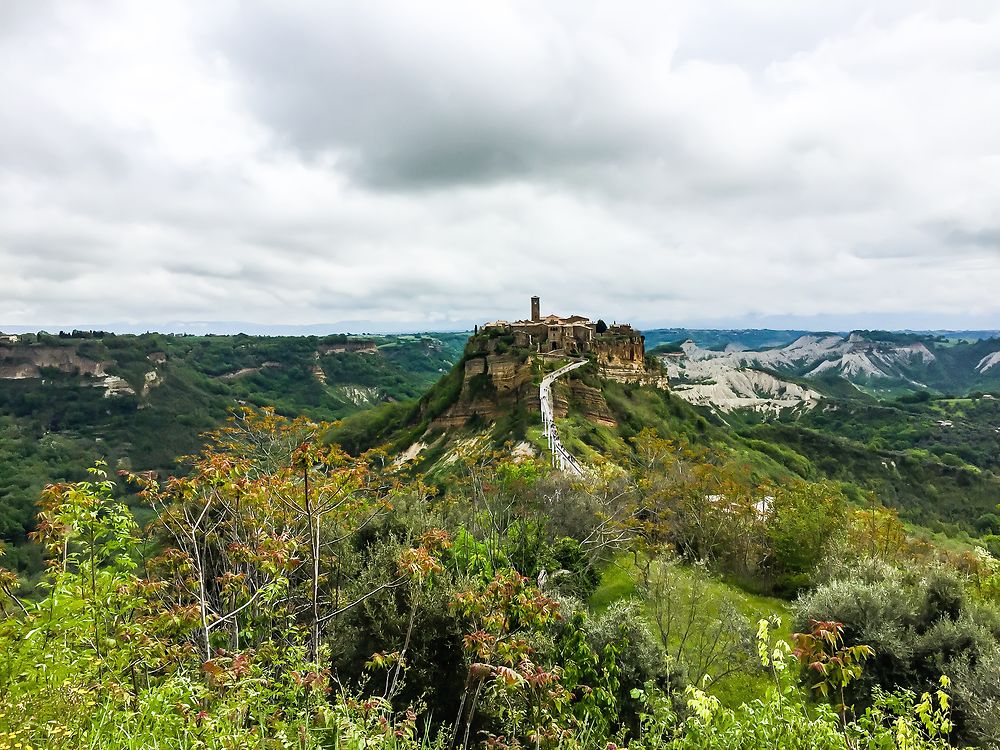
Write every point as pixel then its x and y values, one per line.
pixel 618 583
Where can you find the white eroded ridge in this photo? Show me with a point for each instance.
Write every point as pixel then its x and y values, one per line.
pixel 990 360
pixel 561 458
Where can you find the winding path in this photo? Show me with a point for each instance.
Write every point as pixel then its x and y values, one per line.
pixel 560 456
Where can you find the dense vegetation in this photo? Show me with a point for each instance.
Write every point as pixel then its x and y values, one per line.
pixel 56 424
pixel 287 594
pixel 933 458
pixel 295 586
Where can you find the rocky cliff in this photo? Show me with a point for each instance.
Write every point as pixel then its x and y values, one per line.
pixel 496 379
pixel 623 358
pixel 583 399
pixel 32 362
pixel 18 363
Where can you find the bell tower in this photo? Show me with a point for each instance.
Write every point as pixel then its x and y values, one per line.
pixel 536 309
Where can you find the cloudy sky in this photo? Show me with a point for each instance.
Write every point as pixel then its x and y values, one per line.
pixel 756 162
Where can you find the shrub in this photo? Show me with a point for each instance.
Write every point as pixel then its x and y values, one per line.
pixel 641 659
pixel 921 625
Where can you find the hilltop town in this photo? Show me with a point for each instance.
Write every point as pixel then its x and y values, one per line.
pixel 619 349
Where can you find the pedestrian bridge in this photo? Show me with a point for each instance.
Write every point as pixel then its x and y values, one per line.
pixel 561 458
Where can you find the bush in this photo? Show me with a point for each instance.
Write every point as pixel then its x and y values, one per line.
pixel 921 625
pixel 641 659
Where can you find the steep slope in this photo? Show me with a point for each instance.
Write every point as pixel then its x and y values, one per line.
pixel 988 361
pixel 715 383
pixel 493 388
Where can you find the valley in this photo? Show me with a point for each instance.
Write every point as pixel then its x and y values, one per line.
pixel 723 485
pixel 880 364
pixel 140 402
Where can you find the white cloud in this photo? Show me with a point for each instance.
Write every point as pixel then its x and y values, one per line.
pixel 318 161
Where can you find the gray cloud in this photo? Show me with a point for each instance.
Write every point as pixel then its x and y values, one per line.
pixel 315 161
pixel 439 93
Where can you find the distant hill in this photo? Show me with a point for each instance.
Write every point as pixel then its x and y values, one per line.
pixel 770 338
pixel 719 339
pixel 878 363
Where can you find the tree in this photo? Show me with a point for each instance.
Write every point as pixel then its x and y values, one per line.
pixel 709 637
pixel 229 550
pixel 828 665
pixel 264 494
pixel 601 326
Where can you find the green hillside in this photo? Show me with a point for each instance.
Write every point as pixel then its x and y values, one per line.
pixel 56 420
pixel 463 587
pixel 944 477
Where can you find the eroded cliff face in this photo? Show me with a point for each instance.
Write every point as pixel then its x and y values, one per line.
pixel 623 358
pixel 624 361
pixel 31 362
pixel 496 380
pixel 585 400
pixel 361 345
pixel 22 362
pixel 493 384
pixel 624 352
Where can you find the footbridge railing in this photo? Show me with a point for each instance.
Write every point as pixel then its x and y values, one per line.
pixel 561 458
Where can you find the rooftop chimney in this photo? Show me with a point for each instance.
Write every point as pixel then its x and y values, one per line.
pixel 536 309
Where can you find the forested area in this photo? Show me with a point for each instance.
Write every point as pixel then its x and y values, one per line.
pixel 287 594
pixel 56 420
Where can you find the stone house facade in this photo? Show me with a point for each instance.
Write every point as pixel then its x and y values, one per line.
pixel 575 335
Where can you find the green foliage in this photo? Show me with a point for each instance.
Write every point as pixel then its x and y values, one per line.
pixel 923 488
pixel 290 593
pixel 828 665
pixel 279 561
pixel 702 633
pixel 782 718
pixel 375 426
pixel 913 423
pixel 922 626
pixel 53 428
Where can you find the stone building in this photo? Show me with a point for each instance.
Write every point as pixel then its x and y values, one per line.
pixel 575 336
